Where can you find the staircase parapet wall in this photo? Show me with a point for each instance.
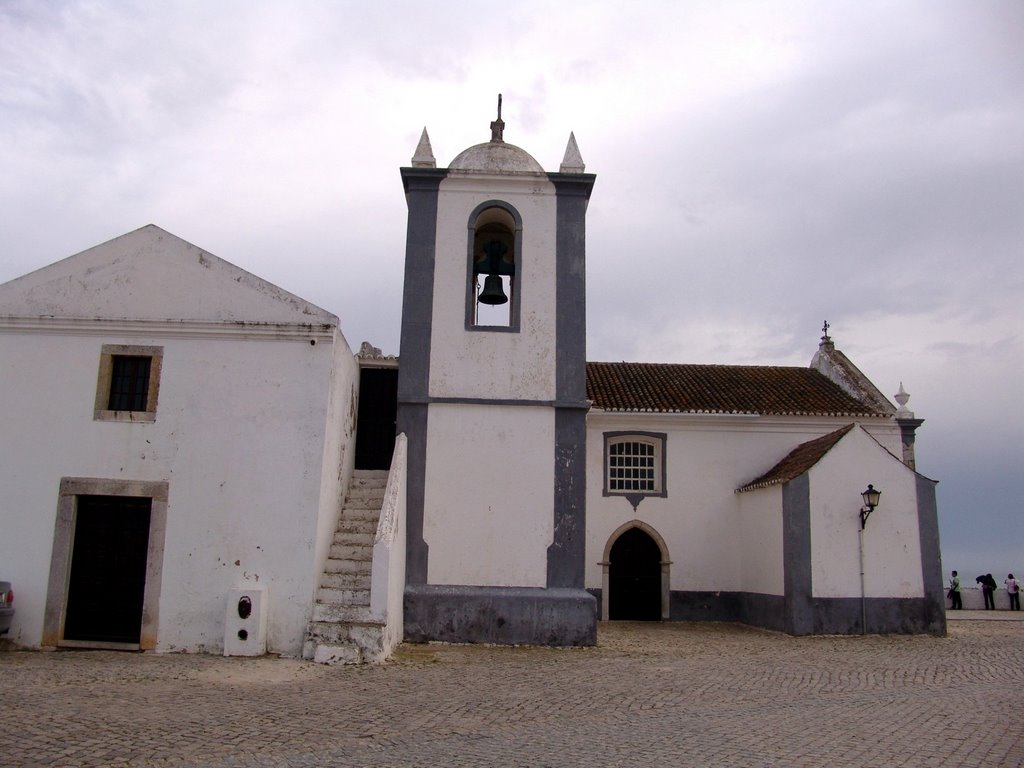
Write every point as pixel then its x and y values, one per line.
pixel 387 577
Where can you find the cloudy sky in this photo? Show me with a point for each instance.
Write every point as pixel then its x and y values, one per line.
pixel 761 167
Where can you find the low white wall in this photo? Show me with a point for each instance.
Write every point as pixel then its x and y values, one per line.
pixel 387 579
pixel 973 600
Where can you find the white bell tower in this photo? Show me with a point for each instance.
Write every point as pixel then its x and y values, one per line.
pixel 492 397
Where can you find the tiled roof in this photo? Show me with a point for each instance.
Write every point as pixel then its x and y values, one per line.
pixel 746 389
pixel 798 461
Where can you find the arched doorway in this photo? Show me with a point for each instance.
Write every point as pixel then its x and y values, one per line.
pixel 635 577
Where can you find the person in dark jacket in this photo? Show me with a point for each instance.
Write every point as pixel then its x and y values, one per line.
pixel 988 590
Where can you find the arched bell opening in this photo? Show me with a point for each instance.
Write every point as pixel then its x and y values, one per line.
pixel 635 575
pixel 494 255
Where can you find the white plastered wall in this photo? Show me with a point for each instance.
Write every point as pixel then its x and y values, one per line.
pixel 494 365
pixel 240 437
pixel 339 448
pixel 762 565
pixel 892 545
pixel 703 520
pixel 487 502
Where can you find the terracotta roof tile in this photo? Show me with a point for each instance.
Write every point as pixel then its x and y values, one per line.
pixel 746 389
pixel 799 460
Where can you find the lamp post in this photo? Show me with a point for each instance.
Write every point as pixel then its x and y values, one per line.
pixel 870 498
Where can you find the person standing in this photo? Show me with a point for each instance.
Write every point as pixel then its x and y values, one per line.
pixel 1013 590
pixel 954 592
pixel 988 590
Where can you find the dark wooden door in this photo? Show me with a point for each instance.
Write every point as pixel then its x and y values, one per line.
pixel 634 578
pixel 108 569
pixel 378 408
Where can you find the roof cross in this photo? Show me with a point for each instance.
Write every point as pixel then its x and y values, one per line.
pixel 498 126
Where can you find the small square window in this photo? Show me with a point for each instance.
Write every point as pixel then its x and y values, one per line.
pixel 128 384
pixel 634 464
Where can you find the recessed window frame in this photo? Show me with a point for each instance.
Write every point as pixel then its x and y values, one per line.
pixel 515 297
pixel 108 353
pixel 654 439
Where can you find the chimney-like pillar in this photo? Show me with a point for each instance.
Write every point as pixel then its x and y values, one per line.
pixel 908 427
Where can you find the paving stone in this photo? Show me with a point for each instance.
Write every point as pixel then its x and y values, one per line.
pixel 656 694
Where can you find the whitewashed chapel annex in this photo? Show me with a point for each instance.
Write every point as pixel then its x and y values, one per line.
pixel 195 460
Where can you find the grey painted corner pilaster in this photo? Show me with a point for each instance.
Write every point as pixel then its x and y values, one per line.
pixel 421 191
pixel 908 434
pixel 931 557
pixel 796 548
pixel 422 186
pixel 567 553
pixel 573 192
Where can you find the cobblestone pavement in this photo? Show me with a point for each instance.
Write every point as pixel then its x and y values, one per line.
pixel 657 694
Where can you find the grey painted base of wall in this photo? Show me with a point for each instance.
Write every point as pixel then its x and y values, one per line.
pixel 503 615
pixel 829 616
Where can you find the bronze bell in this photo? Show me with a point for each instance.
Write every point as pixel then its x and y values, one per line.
pixel 493 293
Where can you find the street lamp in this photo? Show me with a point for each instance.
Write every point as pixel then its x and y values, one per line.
pixel 870 497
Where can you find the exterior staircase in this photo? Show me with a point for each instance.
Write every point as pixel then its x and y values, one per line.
pixel 342 629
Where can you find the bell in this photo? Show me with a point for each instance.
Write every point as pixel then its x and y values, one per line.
pixel 493 293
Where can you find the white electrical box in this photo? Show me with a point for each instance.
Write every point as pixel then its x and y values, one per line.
pixel 245 628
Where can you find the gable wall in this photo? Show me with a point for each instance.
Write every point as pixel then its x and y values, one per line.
pixel 892 548
pixel 240 438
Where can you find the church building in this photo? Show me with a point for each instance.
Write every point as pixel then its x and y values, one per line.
pixel 195 460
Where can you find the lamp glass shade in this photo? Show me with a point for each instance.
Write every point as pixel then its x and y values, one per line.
pixel 871 496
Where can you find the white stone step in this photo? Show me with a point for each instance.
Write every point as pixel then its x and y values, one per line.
pixel 357 525
pixel 334 613
pixel 351 552
pixel 359 514
pixel 346 580
pixel 365 633
pixel 329 594
pixel 365 493
pixel 352 539
pixel 348 653
pixel 358 567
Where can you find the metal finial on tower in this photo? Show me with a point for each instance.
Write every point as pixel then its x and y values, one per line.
pixel 498 126
pixel 824 332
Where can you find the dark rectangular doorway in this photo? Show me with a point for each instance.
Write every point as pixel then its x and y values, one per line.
pixel 108 569
pixel 378 409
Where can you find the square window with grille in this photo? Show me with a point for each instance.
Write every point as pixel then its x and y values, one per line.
pixel 129 383
pixel 634 464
